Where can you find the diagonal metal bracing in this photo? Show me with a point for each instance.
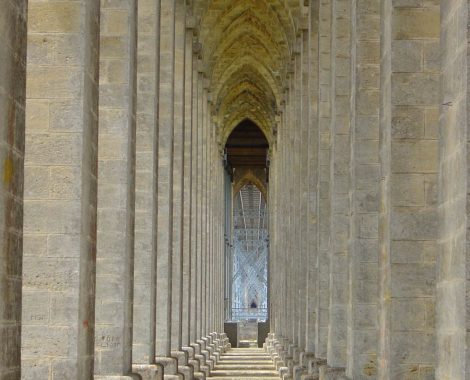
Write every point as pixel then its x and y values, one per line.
pixel 249 280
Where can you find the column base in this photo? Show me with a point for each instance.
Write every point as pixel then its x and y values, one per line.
pixel 170 368
pixel 195 363
pixel 330 373
pixel 183 367
pixel 148 371
pixel 203 366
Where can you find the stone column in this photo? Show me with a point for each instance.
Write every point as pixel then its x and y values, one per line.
pixel 362 307
pixel 312 198
pixel 116 191
pixel 199 205
pixel 452 278
pixel 194 203
pixel 298 253
pixel 164 243
pixel 324 124
pixel 408 224
pixel 12 125
pixel 178 193
pixel 146 188
pixel 204 179
pixel 60 183
pixel 289 230
pixel 188 200
pixel 304 183
pixel 340 181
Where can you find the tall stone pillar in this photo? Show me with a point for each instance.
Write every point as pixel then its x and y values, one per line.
pixel 313 140
pixel 199 198
pixel 194 204
pixel 146 187
pixel 164 242
pixel 177 185
pixel 116 191
pixel 363 260
pixel 324 124
pixel 452 274
pixel 340 181
pixel 204 180
pixel 12 126
pixel 61 183
pixel 408 222
pixel 188 200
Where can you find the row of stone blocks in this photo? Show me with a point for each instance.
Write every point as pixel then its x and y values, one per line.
pixel 193 362
pixel 296 364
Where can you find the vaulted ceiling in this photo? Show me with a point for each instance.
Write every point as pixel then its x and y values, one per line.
pixel 246 50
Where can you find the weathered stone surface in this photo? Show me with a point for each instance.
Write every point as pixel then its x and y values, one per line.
pixel 61 145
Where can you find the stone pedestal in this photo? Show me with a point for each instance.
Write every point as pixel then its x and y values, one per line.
pixel 148 372
pixel 170 368
pixel 329 373
pixel 183 364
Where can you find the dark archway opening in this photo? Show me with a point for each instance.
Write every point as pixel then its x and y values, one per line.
pixel 246 148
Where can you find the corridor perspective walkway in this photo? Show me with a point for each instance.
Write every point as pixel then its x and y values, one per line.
pixel 245 363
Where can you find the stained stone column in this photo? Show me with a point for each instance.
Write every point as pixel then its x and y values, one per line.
pixel 312 198
pixel 452 277
pixel 408 225
pixel 188 200
pixel 298 272
pixel 324 124
pixel 304 182
pixel 164 243
pixel 12 124
pixel 289 230
pixel 60 190
pixel 116 191
pixel 363 260
pixel 340 181
pixel 203 213
pixel 177 184
pixel 194 204
pixel 146 187
pixel 199 205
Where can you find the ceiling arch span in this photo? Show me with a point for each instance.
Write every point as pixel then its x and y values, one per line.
pixel 246 47
pixel 247 176
pixel 239 66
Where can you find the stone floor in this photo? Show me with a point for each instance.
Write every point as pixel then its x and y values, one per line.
pixel 245 363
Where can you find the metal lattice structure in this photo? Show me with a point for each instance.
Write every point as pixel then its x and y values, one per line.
pixel 250 255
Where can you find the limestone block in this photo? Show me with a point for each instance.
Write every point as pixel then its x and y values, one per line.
pixel 38 115
pixel 368 76
pixel 408 190
pixel 413 23
pixel 414 225
pixel 420 347
pixel 54 16
pixel 407 56
pixel 53 82
pixel 37 182
pixel 413 280
pixel 53 149
pixel 408 123
pixel 414 157
pixel 415 89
